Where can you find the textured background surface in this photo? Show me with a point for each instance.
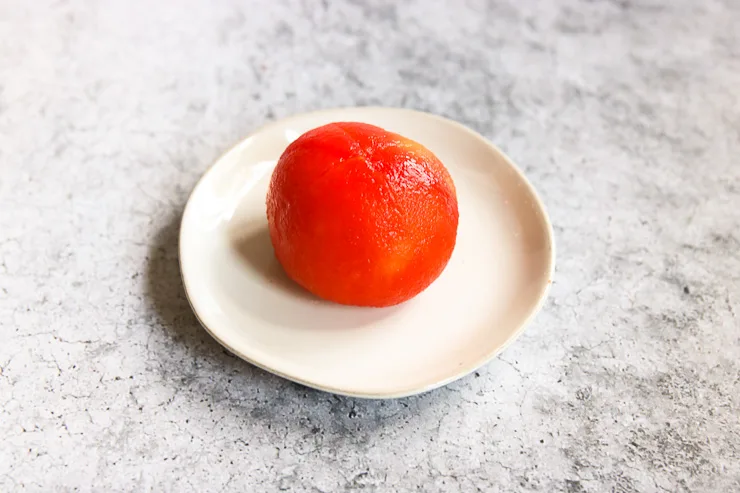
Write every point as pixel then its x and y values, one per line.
pixel 625 114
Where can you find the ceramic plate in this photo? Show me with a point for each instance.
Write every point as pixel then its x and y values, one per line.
pixel 496 280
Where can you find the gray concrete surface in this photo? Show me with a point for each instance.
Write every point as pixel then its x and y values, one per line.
pixel 625 114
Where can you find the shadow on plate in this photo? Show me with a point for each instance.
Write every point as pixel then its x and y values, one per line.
pixel 255 250
pixel 278 300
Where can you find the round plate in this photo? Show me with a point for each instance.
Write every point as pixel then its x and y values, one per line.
pixel 496 280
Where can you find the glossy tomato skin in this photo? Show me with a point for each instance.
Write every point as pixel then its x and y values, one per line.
pixel 361 216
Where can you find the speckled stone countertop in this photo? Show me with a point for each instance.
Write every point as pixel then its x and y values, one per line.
pixel 625 115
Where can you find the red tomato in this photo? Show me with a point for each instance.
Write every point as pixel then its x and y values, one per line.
pixel 361 216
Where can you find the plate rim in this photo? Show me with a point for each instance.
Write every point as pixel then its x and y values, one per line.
pixel 464 370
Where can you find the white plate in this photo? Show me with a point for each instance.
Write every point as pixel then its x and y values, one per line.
pixel 496 280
